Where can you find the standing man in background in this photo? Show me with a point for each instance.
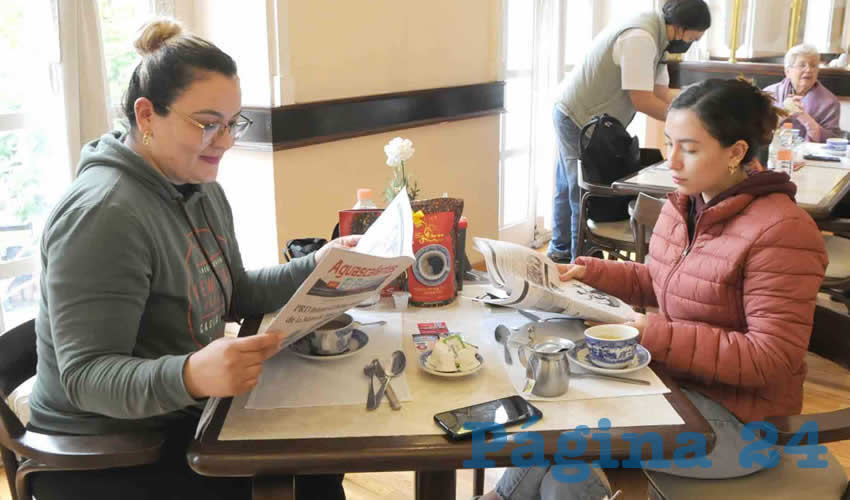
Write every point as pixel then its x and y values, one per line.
pixel 621 73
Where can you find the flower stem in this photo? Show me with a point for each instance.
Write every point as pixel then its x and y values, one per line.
pixel 403 174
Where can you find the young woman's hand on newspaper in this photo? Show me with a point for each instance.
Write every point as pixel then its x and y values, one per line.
pixel 571 271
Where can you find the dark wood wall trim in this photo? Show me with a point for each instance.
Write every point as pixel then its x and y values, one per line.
pixel 304 124
pixel 686 73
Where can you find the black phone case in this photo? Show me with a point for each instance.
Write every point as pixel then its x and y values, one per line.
pixel 458 437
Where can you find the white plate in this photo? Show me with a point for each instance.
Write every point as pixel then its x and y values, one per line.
pixel 423 363
pixel 359 340
pixel 580 355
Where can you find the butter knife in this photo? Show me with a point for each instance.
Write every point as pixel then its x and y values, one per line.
pixel 385 387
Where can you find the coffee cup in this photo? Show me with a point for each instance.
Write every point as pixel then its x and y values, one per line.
pixel 333 337
pixel 836 144
pixel 611 346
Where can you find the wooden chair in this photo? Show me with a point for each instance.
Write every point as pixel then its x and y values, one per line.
pixel 787 480
pixel 615 237
pixel 836 283
pixel 42 452
pixel 643 218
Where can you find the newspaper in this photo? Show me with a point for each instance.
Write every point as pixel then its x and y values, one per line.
pixel 526 279
pixel 344 278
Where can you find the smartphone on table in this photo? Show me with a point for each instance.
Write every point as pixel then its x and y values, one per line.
pixel 499 412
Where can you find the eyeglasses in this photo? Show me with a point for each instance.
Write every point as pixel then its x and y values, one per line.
pixel 804 65
pixel 212 131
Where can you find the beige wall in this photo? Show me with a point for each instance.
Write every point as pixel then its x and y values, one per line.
pixel 460 158
pixel 350 48
pixel 342 49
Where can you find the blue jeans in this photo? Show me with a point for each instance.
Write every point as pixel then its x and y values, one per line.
pixel 538 483
pixel 565 221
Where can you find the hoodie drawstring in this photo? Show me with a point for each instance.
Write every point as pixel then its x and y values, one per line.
pixel 218 279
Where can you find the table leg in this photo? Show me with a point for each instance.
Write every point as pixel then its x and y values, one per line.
pixel 435 485
pixel 273 488
pixel 478 482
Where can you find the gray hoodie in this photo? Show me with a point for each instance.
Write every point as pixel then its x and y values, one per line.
pixel 136 275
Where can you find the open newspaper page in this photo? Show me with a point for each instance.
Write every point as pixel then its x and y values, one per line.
pixel 344 278
pixel 531 280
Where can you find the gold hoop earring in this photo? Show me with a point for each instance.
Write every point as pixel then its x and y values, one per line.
pixel 734 168
pixel 146 138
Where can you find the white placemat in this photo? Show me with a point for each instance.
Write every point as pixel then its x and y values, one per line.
pixel 586 388
pixel 341 382
pixel 436 394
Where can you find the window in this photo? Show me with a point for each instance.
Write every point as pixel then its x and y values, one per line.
pixel 120 22
pixel 35 165
pixel 33 153
pixel 516 122
pixel 544 41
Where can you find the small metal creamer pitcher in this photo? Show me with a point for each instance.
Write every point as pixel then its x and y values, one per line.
pixel 546 363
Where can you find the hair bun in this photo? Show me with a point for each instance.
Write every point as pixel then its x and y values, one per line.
pixel 154 34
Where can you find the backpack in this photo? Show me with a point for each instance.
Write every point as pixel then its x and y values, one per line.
pixel 609 154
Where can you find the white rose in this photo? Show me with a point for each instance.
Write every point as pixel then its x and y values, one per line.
pixel 398 150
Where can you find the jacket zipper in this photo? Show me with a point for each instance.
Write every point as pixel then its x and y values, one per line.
pixel 678 263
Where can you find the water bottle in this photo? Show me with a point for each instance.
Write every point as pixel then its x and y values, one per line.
pixel 772 149
pixel 364 199
pixel 781 150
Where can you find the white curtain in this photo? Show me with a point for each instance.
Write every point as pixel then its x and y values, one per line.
pixel 83 74
pixel 545 75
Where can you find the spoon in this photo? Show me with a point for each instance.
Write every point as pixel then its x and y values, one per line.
pixel 533 317
pixel 615 378
pixel 369 371
pixel 502 334
pixel 370 323
pixel 399 362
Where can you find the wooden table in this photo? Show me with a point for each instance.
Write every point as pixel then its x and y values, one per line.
pixel 820 185
pixel 274 462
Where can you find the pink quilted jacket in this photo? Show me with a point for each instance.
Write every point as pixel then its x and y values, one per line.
pixel 736 305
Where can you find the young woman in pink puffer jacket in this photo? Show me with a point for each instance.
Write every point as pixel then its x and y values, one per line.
pixel 734 264
pixel 734 268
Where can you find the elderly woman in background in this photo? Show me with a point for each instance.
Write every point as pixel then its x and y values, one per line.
pixel 813 109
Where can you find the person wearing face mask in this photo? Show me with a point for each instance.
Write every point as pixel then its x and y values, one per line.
pixel 622 73
pixel 813 109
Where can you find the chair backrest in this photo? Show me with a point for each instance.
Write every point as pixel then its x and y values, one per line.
pixel 646 212
pixel 17 357
pixel 17 364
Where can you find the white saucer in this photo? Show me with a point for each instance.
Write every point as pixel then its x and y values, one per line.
pixel 358 342
pixel 580 355
pixel 423 362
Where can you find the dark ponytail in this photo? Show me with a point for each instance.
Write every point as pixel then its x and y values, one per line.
pixel 732 110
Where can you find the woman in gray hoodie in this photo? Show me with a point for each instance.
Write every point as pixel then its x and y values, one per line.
pixel 141 269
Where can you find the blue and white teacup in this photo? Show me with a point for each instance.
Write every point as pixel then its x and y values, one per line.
pixel 837 144
pixel 611 346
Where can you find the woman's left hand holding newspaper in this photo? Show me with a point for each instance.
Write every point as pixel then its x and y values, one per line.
pixel 342 242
